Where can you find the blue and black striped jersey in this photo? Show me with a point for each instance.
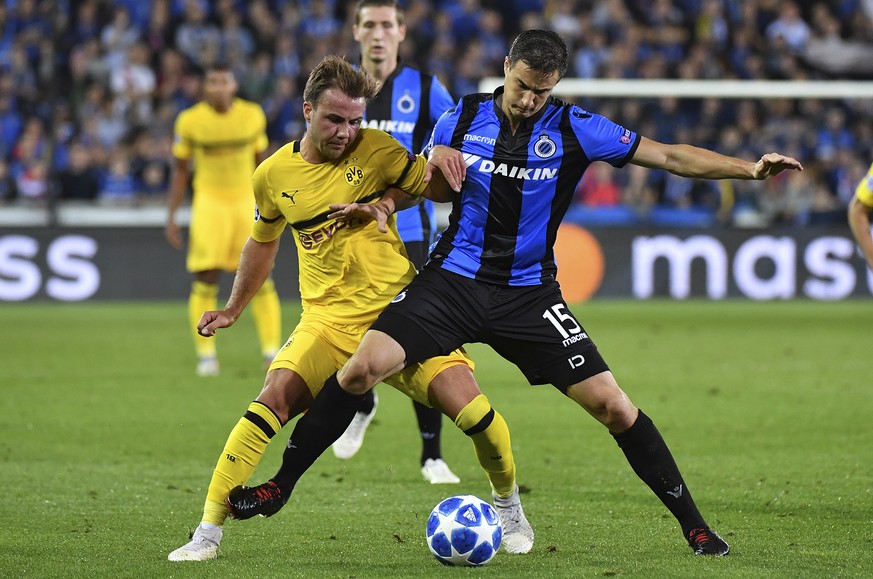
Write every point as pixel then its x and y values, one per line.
pixel 408 106
pixel 518 187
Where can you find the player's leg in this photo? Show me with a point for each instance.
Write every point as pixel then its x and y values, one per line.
pixel 434 468
pixel 283 396
pixel 203 297
pixel 648 455
pixel 267 313
pixel 208 238
pixel 333 409
pixel 430 420
pixel 455 391
pixel 265 307
pixel 548 344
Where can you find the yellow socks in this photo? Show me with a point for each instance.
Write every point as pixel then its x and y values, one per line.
pixel 203 297
pixel 490 436
pixel 242 452
pixel 267 313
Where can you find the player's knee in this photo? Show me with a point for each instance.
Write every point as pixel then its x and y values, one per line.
pixel 359 375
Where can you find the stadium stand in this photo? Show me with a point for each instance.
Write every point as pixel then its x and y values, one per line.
pixel 89 89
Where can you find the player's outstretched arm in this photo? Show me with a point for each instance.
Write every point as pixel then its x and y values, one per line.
pixel 690 161
pixel 255 264
pixel 392 201
pixel 445 173
pixel 859 223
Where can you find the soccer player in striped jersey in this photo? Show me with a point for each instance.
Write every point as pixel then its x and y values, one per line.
pixel 860 208
pixel 492 275
pixel 224 138
pixel 407 106
pixel 349 271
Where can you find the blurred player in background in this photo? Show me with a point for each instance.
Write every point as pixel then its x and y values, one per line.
pixel 408 106
pixel 860 208
pixel 349 271
pixel 224 138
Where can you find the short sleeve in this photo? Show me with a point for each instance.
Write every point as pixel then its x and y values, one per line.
pixel 269 221
pixel 440 100
pixel 261 140
pixel 181 137
pixel 864 191
pixel 401 168
pixel 602 139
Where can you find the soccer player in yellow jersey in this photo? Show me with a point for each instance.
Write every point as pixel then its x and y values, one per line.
pixel 224 138
pixel 349 270
pixel 860 208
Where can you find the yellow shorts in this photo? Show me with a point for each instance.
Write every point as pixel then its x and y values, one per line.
pixel 317 349
pixel 219 230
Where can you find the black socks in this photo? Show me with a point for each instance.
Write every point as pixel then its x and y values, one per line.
pixel 328 417
pixel 650 458
pixel 430 423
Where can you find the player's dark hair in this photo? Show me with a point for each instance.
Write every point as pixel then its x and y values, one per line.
pixel 398 9
pixel 542 50
pixel 335 72
pixel 218 66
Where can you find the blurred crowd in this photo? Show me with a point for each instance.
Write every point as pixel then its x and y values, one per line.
pixel 89 89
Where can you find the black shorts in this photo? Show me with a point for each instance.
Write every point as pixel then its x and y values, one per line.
pixel 531 326
pixel 417 251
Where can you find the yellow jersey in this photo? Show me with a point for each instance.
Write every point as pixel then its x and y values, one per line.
pixel 222 145
pixel 349 271
pixel 864 191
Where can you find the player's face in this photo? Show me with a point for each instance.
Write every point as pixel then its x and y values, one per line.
pixel 379 34
pixel 525 90
pixel 219 88
pixel 334 123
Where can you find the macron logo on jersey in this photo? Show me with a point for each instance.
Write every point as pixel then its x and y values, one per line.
pixel 393 127
pixel 511 171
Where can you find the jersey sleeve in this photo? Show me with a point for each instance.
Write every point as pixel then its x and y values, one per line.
pixel 443 129
pixel 261 141
pixel 401 168
pixel 864 191
pixel 181 137
pixel 602 139
pixel 269 221
pixel 440 100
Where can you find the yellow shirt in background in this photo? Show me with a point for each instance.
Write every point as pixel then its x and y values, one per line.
pixel 222 145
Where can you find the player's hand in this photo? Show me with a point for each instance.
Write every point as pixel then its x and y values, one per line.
pixel 772 164
pixel 171 232
pixel 378 212
pixel 450 163
pixel 212 321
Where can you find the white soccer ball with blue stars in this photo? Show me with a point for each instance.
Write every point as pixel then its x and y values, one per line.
pixel 464 530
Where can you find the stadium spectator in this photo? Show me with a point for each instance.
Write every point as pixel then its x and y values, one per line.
pixel 79 180
pixel 118 187
pixel 52 52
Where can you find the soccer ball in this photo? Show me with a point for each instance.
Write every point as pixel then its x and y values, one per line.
pixel 464 530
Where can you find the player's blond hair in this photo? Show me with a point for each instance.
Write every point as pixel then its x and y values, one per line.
pixel 335 72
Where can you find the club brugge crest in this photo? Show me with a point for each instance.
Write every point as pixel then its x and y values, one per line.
pixel 545 147
pixel 406 104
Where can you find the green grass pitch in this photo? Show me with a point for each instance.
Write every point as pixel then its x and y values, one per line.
pixel 107 443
